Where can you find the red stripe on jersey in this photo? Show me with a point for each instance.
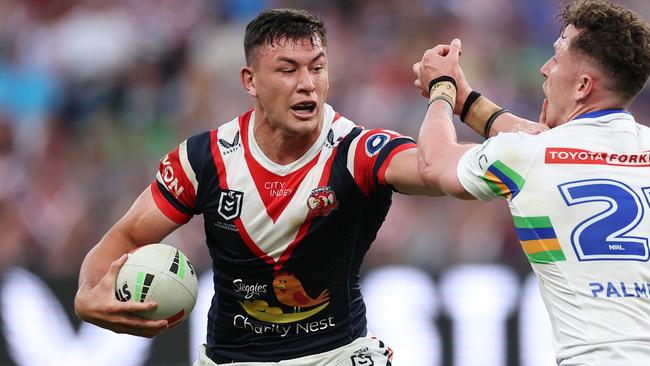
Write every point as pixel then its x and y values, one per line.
pixel 223 184
pixel 305 226
pixel 167 208
pixel 381 174
pixel 275 191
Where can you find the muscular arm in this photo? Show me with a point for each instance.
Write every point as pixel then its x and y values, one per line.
pixel 95 300
pixel 439 152
pixel 402 174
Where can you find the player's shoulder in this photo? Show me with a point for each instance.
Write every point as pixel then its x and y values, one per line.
pixel 518 144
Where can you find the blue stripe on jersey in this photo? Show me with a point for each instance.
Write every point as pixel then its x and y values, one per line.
pixel 604 112
pixel 535 233
pixel 512 186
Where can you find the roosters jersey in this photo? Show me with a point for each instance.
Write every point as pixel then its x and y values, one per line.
pixel 286 241
pixel 579 195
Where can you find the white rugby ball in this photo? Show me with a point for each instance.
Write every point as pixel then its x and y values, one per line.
pixel 160 273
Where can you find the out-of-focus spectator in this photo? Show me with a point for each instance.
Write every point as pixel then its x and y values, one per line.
pixel 92 92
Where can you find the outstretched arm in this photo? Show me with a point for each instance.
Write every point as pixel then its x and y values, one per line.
pixel 438 149
pixel 95 300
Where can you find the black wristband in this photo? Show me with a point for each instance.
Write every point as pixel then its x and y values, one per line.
pixel 491 119
pixel 471 98
pixel 442 78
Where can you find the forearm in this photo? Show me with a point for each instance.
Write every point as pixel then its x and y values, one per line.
pixel 508 122
pixel 489 119
pixel 436 141
pixel 142 224
pixel 113 245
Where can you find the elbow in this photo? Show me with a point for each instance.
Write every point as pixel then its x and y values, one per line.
pixel 429 173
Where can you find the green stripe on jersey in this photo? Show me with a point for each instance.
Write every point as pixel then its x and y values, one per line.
pixel 532 222
pixel 516 178
pixel 546 257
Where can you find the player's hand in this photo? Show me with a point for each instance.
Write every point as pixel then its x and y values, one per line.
pixel 542 115
pixel 99 306
pixel 441 60
pixel 462 91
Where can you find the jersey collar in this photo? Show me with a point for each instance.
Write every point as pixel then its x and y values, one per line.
pixel 604 112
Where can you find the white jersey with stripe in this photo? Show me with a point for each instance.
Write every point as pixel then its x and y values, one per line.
pixel 287 241
pixel 579 195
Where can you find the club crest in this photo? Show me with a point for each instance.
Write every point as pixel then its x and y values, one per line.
pixel 322 201
pixel 230 203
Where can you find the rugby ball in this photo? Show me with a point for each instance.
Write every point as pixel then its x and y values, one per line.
pixel 160 273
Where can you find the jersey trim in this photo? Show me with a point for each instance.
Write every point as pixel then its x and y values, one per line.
pixel 187 167
pixel 604 112
pixel 384 161
pixel 163 200
pixel 503 181
pixel 538 239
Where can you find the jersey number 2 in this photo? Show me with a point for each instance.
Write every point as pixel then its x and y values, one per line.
pixel 603 236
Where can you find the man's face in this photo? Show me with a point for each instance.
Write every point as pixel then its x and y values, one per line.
pixel 562 78
pixel 290 81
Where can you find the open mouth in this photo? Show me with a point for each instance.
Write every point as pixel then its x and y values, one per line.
pixel 304 108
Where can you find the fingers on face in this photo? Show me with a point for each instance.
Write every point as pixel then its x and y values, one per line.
pixel 542 115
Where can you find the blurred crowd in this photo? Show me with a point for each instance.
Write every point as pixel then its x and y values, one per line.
pixel 94 92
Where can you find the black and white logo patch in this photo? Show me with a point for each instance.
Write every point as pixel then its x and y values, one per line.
pixel 230 204
pixel 230 146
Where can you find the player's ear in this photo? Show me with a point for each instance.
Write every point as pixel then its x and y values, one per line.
pixel 585 87
pixel 247 76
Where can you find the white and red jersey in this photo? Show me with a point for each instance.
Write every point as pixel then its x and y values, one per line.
pixel 579 195
pixel 287 241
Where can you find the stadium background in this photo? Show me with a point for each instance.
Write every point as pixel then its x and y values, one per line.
pixel 93 93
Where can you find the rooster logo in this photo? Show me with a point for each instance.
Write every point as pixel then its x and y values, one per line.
pixel 322 201
pixel 289 291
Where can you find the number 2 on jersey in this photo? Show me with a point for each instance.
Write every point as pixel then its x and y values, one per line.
pixel 604 236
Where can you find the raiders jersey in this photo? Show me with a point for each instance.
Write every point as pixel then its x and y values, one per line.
pixel 579 195
pixel 286 241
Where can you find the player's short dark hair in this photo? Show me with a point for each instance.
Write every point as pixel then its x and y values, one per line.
pixel 615 38
pixel 275 25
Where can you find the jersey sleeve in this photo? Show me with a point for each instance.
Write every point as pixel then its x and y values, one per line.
pixel 370 154
pixel 177 184
pixel 496 168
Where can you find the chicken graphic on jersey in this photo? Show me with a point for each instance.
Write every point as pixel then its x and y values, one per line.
pixel 289 291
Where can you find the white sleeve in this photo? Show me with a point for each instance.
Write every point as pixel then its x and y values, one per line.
pixel 495 168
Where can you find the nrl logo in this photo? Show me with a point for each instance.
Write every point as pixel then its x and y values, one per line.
pixel 230 204
pixel 322 201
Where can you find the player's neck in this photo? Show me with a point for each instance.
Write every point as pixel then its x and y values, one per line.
pixel 281 147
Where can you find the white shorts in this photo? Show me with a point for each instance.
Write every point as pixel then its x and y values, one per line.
pixel 363 351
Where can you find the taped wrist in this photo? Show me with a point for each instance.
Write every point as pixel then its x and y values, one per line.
pixel 477 111
pixel 442 88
